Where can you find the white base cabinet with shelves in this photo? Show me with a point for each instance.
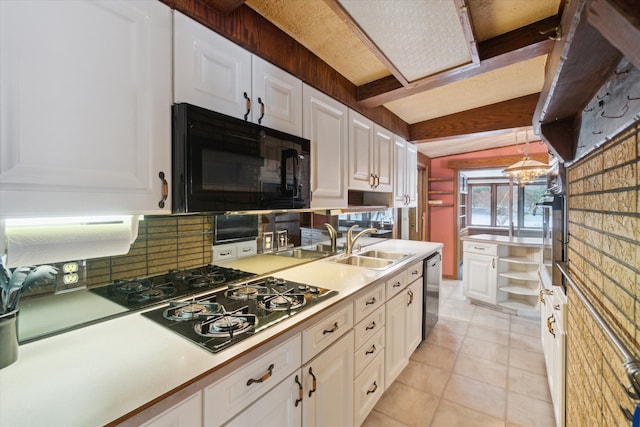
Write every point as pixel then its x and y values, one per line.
pixel 187 413
pixel 85 108
pixel 503 275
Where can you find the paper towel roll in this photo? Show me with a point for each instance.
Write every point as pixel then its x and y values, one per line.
pixel 33 245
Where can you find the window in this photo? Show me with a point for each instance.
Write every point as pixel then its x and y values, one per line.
pixel 490 205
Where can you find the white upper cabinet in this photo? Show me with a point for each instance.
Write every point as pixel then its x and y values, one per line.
pixel 325 125
pixel 209 70
pixel 214 73
pixel 85 107
pixel 277 98
pixel 405 185
pixel 370 155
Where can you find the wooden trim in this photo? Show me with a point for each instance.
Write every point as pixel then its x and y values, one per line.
pixel 501 51
pixel 366 40
pixel 493 162
pixel 468 29
pixel 225 7
pixel 509 114
pixel 619 22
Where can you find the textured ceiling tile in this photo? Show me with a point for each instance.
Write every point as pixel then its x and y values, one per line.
pixel 420 37
pixel 314 25
pixel 494 17
pixel 510 82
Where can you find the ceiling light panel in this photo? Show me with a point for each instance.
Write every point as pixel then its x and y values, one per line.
pixel 419 37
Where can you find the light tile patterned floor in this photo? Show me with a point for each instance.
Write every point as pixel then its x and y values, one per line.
pixel 478 368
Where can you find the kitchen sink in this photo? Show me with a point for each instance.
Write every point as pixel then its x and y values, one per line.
pixel 367 262
pixel 302 253
pixel 395 256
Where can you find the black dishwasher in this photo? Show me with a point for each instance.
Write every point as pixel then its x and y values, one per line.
pixel 431 277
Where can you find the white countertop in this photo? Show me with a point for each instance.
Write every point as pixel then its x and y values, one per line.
pixel 505 240
pixel 97 374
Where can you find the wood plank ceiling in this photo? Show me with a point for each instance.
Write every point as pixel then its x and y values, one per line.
pixel 464 75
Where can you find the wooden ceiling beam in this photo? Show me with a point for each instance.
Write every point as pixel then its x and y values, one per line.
pixel 619 22
pixel 510 48
pixel 224 7
pixel 509 114
pixel 468 29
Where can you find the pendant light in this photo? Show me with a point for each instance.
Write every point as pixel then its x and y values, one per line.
pixel 526 170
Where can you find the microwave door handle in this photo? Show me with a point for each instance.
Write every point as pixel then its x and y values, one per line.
pixel 296 190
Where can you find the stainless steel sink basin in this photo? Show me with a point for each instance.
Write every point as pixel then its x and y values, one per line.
pixel 367 262
pixel 302 253
pixel 385 254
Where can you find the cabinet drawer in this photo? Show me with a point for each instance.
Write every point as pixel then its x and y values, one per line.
pixel 230 395
pixel 369 326
pixel 368 388
pixel 324 332
pixel 481 248
pixel 395 284
pixel 414 272
pixel 369 351
pixel 224 252
pixel 369 302
pixel 247 248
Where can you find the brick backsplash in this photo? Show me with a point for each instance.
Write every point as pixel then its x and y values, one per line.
pixel 604 259
pixel 163 243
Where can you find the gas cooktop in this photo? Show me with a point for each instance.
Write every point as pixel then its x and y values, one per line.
pixel 141 293
pixel 225 317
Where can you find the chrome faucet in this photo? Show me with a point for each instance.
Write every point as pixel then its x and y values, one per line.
pixel 352 240
pixel 333 235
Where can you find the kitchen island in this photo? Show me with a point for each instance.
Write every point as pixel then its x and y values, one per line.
pixel 130 369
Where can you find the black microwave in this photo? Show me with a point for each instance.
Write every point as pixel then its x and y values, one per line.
pixel 224 164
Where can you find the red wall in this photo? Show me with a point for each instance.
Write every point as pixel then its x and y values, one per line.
pixel 442 220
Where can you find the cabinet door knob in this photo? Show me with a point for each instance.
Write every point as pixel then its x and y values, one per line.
pixel 165 190
pixel 373 389
pixel 331 330
pixel 313 385
pixel 248 106
pixel 299 399
pixel 264 376
pixel 261 110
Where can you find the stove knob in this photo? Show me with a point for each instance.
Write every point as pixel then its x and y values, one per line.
pixel 303 287
pixel 314 289
pixel 281 282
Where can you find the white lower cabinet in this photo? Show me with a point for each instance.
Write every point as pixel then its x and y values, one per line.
pixel 187 413
pixel 230 395
pixel 368 388
pixel 328 386
pixel 479 276
pixel 278 408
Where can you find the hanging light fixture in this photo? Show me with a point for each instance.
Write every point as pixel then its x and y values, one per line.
pixel 526 170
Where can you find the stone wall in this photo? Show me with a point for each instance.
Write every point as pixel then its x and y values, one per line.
pixel 604 260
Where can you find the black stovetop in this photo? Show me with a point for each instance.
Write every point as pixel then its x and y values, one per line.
pixel 252 306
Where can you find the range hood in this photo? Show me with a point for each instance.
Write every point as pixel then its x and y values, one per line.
pixel 49 240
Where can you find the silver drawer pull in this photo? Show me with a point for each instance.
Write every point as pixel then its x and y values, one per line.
pixel 332 330
pixel 397 284
pixel 371 301
pixel 373 389
pixel 415 272
pixel 478 248
pixel 371 326
pixel 225 253
pixel 246 249
pixel 372 350
pixel 264 376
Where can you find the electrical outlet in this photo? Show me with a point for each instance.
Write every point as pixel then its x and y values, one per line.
pixel 70 278
pixel 70 267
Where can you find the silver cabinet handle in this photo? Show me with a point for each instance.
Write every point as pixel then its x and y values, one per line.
pixel 410 298
pixel 264 376
pixel 331 330
pixel 165 190
pixel 493 263
pixel 397 284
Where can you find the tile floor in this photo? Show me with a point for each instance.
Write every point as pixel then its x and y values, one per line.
pixel 479 367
